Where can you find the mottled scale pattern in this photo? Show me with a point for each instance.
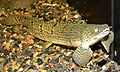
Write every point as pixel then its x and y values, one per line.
pixel 62 32
pixel 59 30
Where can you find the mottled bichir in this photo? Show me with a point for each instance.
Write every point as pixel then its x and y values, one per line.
pixel 75 34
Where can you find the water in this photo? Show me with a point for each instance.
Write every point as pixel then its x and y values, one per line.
pixel 95 11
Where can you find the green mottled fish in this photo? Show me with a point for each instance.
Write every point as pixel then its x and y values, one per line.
pixel 74 34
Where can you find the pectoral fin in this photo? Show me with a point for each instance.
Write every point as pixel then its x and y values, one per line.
pixel 107 41
pixel 82 56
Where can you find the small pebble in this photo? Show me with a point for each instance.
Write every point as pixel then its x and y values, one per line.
pixel 14 34
pixel 15 70
pixel 15 45
pixel 7 46
pixel 70 70
pixel 57 47
pixel 33 67
pixel 39 55
pixel 31 55
pixel 20 69
pixel 55 61
pixel 67 58
pixel 18 41
pixel 28 62
pixel 39 61
pixel 31 70
pixel 68 53
pixel 1 59
pixel 9 69
pixel 44 71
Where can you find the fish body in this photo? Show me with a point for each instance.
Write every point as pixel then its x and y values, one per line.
pixel 75 34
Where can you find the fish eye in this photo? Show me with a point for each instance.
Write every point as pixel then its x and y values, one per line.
pixel 96 30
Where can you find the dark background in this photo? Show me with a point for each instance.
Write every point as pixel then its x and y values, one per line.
pixel 117 29
pixel 95 11
pixel 102 11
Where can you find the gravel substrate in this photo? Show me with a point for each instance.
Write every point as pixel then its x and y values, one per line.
pixel 22 52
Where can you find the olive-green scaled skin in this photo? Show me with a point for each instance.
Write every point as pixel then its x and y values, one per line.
pixel 70 34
